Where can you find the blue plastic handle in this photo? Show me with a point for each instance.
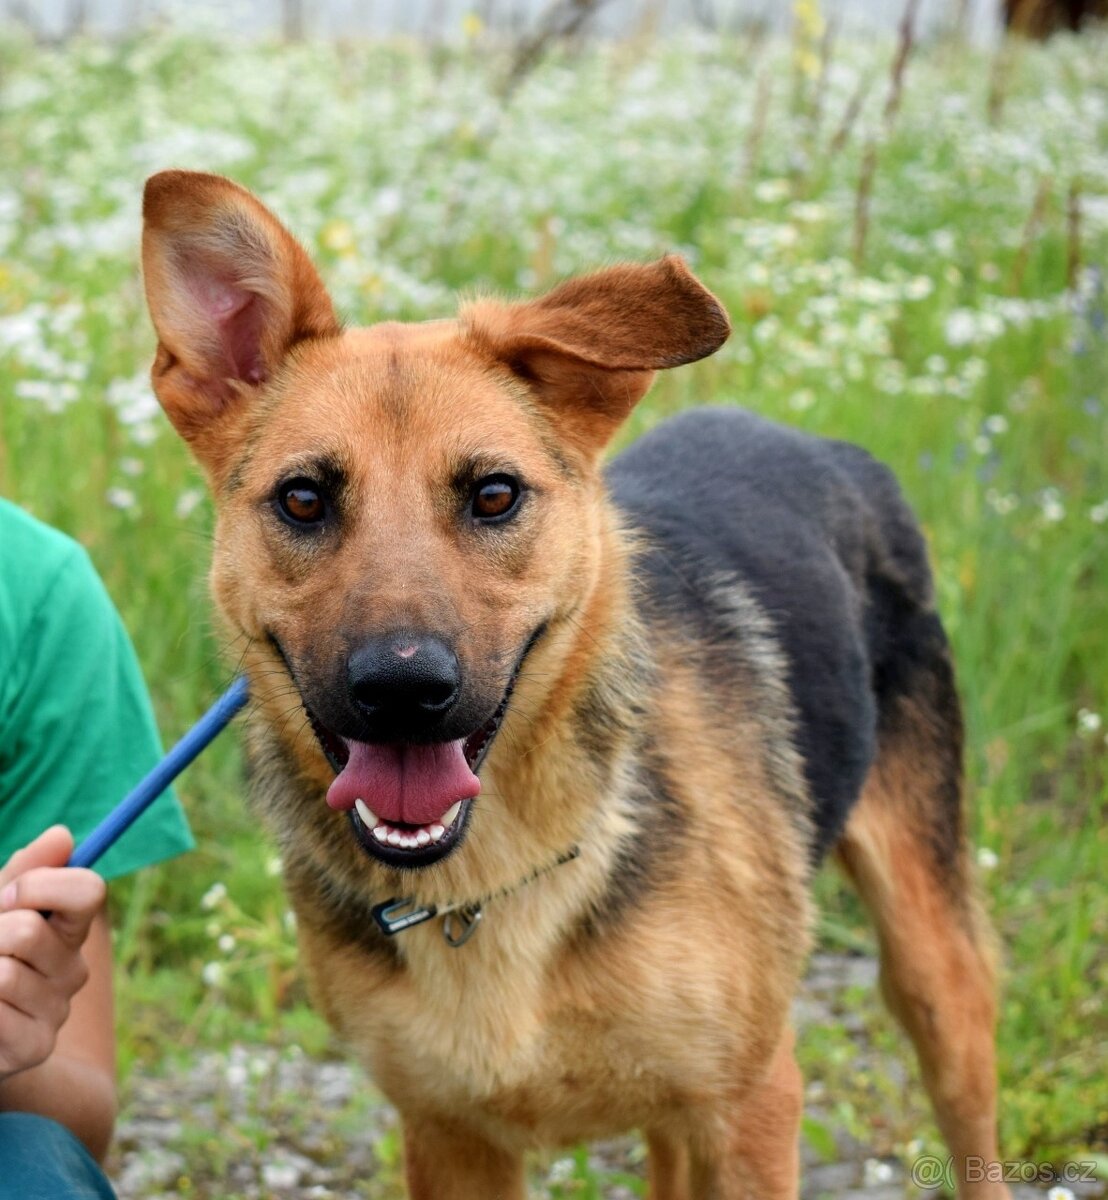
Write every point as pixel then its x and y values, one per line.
pixel 139 799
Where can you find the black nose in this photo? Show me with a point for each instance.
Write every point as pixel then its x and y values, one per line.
pixel 403 673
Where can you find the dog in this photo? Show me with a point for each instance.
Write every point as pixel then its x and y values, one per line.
pixel 569 741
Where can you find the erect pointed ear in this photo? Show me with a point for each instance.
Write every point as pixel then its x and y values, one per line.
pixel 590 348
pixel 230 291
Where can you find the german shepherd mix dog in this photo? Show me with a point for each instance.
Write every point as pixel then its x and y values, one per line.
pixel 617 716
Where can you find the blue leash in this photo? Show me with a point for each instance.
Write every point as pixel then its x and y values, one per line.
pixel 139 799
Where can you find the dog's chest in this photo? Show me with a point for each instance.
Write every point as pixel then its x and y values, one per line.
pixel 524 1049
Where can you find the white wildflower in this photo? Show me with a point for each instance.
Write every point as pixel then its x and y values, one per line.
pixel 213 974
pixel 23 328
pixel 769 191
pixel 961 328
pixel 1002 503
pixel 803 400
pixel 214 896
pixel 987 860
pixel 54 395
pixel 925 385
pixel 870 291
pixel 989 325
pixel 120 497
pixel 561 1171
pixel 974 370
pixel 226 943
pixel 1053 509
pixel 1088 722
pixel 889 377
pixel 187 502
pixel 808 212
pixel 135 405
pixel 1098 514
pixel 767 329
pixel 145 433
pixel 875 1172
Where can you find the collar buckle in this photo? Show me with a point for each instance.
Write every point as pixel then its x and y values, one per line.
pixel 396 915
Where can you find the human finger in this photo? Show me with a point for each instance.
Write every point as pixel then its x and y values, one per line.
pixel 71 895
pixel 33 994
pixel 30 938
pixel 51 848
pixel 24 1041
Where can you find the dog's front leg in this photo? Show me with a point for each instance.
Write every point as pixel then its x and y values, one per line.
pixel 669 1166
pixel 445 1163
pixel 752 1151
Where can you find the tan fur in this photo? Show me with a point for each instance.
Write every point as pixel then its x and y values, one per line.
pixel 577 1011
pixel 937 962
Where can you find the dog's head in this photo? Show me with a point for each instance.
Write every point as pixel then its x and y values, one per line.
pixel 403 511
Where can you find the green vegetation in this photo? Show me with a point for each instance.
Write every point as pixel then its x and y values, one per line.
pixel 931 284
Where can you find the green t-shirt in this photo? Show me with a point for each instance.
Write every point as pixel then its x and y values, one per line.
pixel 76 730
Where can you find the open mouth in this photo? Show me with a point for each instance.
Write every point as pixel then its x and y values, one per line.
pixel 409 805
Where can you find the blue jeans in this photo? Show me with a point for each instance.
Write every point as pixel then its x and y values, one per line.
pixel 42 1160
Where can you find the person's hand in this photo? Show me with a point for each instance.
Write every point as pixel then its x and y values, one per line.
pixel 41 967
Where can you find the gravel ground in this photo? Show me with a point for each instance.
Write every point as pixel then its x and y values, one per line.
pixel 258 1123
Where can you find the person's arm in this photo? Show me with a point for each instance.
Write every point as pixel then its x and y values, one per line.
pixel 76 733
pixel 57 1042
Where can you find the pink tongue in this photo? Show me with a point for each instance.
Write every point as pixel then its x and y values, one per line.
pixel 415 785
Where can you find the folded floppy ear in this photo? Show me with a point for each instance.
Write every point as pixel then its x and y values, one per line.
pixel 589 348
pixel 230 291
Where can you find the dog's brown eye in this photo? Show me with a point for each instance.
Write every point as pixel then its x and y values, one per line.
pixel 302 502
pixel 495 497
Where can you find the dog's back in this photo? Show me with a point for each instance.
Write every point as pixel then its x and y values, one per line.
pixel 817 534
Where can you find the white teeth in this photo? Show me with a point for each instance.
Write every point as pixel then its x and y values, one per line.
pixel 369 818
pixel 407 839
